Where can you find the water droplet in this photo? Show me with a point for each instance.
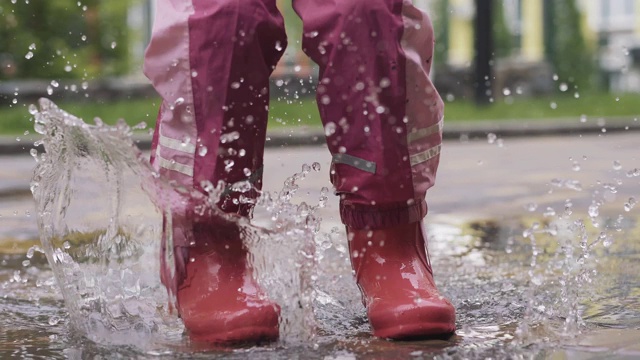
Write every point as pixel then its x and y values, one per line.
pixel 179 101
pixel 306 169
pixel 235 85
pixel 29 55
pixel 247 172
pixel 555 77
pixel 228 165
pixel 113 44
pixel 384 83
pixel 531 207
pixel 325 100
pixel 575 166
pixel 202 150
pixel 229 137
pixel 316 166
pixel 549 212
pixel 32 46
pixel 553 105
pixel 330 128
pixel 617 165
pixel 506 91
pixel 241 186
pixel 68 68
pixel 491 138
pixel 563 87
pixel 631 203
pixel 278 46
pixel 49 90
pixel 54 320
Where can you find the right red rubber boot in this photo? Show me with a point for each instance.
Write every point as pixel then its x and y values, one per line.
pixel 218 300
pixel 394 275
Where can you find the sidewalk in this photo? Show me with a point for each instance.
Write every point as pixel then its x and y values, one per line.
pixel 296 136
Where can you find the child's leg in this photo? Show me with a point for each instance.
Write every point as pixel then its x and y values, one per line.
pixel 210 61
pixel 375 91
pixel 383 117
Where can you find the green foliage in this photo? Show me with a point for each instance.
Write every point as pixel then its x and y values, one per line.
pixel 61 39
pixel 503 38
pixel 566 47
pixel 441 31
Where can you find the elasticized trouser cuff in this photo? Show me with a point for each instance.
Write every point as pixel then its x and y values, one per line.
pixel 357 216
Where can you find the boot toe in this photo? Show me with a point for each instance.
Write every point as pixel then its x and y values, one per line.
pixel 412 319
pixel 245 324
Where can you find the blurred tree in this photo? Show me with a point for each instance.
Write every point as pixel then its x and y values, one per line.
pixel 63 39
pixel 565 45
pixel 441 30
pixel 503 38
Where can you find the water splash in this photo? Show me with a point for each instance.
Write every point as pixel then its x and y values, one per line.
pixel 100 215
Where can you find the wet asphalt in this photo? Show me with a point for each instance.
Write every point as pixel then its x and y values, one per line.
pixel 477 179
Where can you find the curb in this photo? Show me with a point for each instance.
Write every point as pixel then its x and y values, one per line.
pixel 476 130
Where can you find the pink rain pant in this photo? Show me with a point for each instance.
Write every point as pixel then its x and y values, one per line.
pixel 210 60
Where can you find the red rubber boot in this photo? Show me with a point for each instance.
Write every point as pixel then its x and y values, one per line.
pixel 219 300
pixel 394 275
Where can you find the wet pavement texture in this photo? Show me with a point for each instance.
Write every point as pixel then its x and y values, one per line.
pixel 486 193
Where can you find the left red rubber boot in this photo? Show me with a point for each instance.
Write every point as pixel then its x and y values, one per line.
pixel 394 275
pixel 219 301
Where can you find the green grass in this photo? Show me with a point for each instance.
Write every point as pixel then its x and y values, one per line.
pixel 15 120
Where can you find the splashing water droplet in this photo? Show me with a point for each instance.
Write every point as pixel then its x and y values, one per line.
pixel 54 320
pixel 491 138
pixel 630 204
pixel 228 165
pixel 316 166
pixel 229 137
pixel 617 165
pixel 575 166
pixel 330 128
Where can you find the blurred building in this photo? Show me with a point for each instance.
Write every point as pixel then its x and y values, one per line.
pixel 610 27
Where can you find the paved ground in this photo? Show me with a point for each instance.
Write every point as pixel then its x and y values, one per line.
pixel 476 179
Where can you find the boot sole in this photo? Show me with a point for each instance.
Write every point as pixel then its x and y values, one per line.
pixel 245 335
pixel 416 331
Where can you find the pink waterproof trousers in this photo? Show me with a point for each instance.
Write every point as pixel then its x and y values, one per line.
pixel 210 61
